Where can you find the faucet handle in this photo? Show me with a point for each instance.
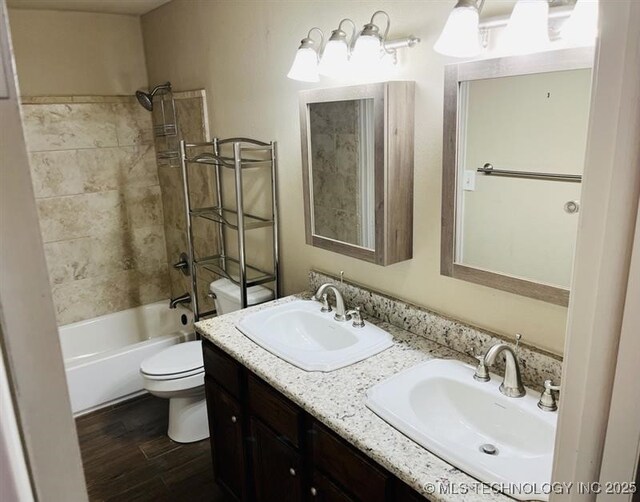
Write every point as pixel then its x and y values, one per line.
pixel 482 373
pixel 356 315
pixel 547 400
pixel 326 306
pixel 518 338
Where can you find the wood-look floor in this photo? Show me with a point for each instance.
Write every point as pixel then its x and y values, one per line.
pixel 128 456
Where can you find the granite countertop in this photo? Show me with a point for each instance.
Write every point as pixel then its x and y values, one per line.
pixel 337 399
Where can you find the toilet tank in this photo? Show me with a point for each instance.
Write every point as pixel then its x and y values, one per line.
pixel 228 295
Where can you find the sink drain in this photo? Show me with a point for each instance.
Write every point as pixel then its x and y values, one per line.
pixel 489 449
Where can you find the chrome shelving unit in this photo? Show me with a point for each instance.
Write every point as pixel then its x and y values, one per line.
pixel 239 155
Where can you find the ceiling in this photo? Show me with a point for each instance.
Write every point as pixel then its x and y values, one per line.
pixel 132 7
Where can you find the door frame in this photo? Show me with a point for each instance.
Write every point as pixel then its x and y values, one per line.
pixel 29 343
pixel 601 280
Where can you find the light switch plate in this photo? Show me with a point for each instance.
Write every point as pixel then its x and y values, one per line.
pixel 469 182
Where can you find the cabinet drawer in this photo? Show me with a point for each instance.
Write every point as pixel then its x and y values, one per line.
pixel 222 368
pixel 342 463
pixel 274 409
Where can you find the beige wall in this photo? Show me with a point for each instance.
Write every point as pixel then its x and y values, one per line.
pixel 77 53
pixel 240 53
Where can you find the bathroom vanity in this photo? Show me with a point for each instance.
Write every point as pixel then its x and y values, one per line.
pixel 267 448
pixel 281 433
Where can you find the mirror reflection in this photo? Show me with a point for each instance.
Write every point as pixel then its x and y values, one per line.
pixel 521 149
pixel 341 140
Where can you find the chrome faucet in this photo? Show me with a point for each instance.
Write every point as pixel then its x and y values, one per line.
pixel 512 384
pixel 340 314
pixel 173 303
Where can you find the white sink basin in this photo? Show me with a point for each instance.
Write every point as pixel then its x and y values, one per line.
pixel 312 340
pixel 440 406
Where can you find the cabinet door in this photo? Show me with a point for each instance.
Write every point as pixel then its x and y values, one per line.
pixel 227 439
pixel 277 468
pixel 361 478
pixel 323 490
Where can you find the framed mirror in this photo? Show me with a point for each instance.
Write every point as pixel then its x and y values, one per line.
pixel 515 133
pixel 357 161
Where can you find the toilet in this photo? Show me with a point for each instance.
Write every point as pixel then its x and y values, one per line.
pixel 177 372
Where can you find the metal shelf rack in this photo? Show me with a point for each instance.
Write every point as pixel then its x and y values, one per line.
pixel 165 130
pixel 240 155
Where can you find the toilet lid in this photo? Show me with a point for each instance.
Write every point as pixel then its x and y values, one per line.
pixel 175 360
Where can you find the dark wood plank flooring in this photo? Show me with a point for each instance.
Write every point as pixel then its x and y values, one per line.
pixel 128 456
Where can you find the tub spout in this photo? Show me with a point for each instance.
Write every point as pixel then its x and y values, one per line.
pixel 173 303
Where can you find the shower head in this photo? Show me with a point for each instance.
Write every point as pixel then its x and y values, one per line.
pixel 146 98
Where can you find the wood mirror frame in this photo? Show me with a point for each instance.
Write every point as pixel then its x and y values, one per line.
pixel 393 116
pixel 559 60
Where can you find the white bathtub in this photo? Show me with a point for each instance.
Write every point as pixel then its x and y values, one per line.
pixel 102 356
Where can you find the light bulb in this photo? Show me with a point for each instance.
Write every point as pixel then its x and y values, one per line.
pixel 305 65
pixel 460 36
pixel 582 26
pixel 335 59
pixel 528 28
pixel 367 51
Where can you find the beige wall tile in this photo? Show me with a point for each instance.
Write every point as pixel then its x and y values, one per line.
pixel 143 206
pixel 88 298
pixel 69 126
pixel 172 198
pixel 92 297
pixel 69 260
pixel 133 124
pixel 138 165
pixel 152 285
pixel 100 169
pixel 106 213
pixel 149 248
pixel 55 173
pixel 63 218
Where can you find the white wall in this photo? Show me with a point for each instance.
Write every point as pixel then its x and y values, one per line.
pixel 240 53
pixel 63 53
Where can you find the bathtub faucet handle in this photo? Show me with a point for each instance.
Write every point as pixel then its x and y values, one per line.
pixel 183 264
pixel 185 298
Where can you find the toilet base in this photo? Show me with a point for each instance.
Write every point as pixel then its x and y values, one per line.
pixel 188 418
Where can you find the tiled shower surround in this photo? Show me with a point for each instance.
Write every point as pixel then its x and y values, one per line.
pixel 96 184
pixel 105 206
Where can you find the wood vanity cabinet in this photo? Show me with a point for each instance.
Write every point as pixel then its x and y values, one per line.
pixel 266 449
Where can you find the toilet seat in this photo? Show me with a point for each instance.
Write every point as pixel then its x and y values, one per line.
pixel 176 362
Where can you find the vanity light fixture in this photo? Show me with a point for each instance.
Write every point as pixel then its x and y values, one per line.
pixel 305 63
pixel 461 35
pixel 335 57
pixel 528 28
pixel 366 52
pixel 582 26
pixel 534 25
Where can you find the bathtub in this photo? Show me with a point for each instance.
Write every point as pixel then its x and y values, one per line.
pixel 102 356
